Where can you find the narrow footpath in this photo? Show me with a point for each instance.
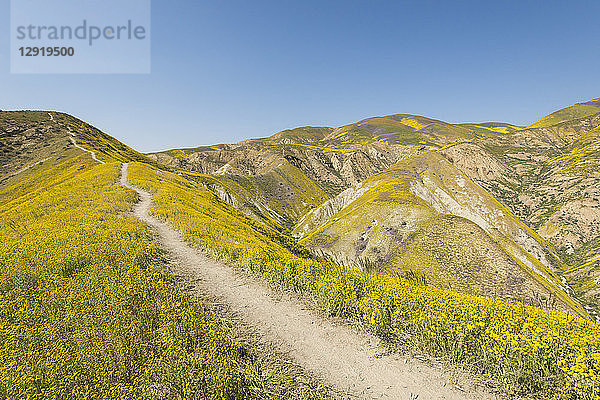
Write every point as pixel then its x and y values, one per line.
pixel 346 359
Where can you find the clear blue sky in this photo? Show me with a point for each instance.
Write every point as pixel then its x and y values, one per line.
pixel 223 71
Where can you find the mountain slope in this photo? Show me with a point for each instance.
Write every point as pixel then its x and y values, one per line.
pixel 377 192
pixel 549 178
pixel 424 216
pixel 442 211
pixel 29 137
pixel 569 113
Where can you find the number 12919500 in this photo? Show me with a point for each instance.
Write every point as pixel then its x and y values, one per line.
pixel 47 51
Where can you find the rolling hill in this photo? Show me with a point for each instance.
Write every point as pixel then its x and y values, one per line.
pixel 485 208
pixel 478 243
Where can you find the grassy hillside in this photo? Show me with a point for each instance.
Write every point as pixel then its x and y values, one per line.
pixel 451 232
pixel 423 216
pixel 86 309
pixel 491 128
pixel 278 197
pixel 399 129
pixel 527 349
pixel 548 177
pixel 568 113
pixel 89 307
pixel 30 137
pixel 532 219
pixel 305 134
pixel 27 138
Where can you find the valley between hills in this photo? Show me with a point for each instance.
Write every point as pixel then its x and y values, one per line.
pixel 474 247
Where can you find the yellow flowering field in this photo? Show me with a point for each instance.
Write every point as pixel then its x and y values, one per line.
pixel 550 354
pixel 87 307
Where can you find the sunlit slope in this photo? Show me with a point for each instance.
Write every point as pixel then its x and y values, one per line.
pixel 31 137
pixel 305 135
pixel 432 202
pixel 299 179
pixel 571 218
pixel 569 214
pixel 105 146
pixel 86 309
pixel 423 216
pixel 277 193
pixel 27 138
pixel 569 113
pixel 278 179
pixel 549 178
pixel 398 129
pixel 278 197
pixel 34 143
pixel 527 349
pixel 536 172
pixel 209 159
pixel 491 128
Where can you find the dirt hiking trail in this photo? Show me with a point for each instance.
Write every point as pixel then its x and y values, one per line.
pixel 343 358
pixel 93 154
